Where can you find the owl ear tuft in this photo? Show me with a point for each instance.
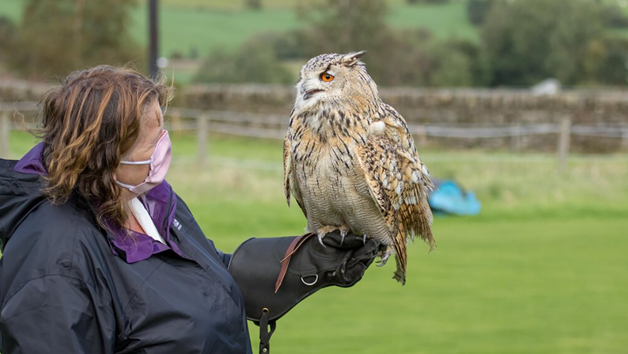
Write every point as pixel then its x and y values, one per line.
pixel 352 58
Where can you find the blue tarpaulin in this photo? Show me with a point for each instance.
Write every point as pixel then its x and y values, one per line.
pixel 451 198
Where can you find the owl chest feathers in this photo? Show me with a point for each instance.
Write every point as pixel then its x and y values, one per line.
pixel 329 176
pixel 326 141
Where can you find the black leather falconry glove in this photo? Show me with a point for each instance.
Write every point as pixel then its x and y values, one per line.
pixel 270 291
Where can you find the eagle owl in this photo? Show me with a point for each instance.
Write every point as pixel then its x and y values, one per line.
pixel 350 161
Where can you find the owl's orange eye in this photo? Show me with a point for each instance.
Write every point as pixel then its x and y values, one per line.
pixel 327 77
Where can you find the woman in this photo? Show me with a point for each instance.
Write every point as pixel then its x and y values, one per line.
pixel 101 256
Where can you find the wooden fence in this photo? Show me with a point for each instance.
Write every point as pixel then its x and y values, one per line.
pixel 272 126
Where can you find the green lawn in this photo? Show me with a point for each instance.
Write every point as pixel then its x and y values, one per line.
pixel 498 286
pixel 541 270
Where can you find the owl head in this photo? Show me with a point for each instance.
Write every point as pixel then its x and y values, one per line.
pixel 330 79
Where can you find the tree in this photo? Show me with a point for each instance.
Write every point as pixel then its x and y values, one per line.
pixel 477 10
pixel 452 68
pixel 529 41
pixel 413 2
pixel 342 26
pixel 253 4
pixel 8 32
pixel 614 67
pixel 395 58
pixel 468 62
pixel 65 35
pixel 614 16
pixel 255 61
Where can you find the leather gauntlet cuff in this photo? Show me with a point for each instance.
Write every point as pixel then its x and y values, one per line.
pixel 256 265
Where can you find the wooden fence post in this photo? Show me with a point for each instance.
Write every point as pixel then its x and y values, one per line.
pixel 421 136
pixel 624 136
pixel 563 143
pixel 5 128
pixel 516 139
pixel 175 119
pixel 202 120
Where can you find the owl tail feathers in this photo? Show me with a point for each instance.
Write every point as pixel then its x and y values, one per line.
pixel 385 252
pixel 402 260
pixel 425 226
pixel 426 235
pixel 400 273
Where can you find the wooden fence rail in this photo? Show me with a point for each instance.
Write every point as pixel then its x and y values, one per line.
pixel 274 127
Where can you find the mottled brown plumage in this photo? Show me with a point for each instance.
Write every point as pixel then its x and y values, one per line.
pixel 350 161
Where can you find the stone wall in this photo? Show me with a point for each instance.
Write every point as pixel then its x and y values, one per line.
pixel 17 90
pixel 458 108
pixel 420 107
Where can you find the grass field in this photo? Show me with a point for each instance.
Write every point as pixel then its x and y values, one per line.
pixel 200 26
pixel 196 25
pixel 194 28
pixel 541 270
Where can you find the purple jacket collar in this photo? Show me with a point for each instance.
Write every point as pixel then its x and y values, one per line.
pixel 131 246
pixel 32 162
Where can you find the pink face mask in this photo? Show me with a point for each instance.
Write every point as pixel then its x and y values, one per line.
pixel 158 166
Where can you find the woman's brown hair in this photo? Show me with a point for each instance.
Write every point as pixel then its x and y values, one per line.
pixel 89 122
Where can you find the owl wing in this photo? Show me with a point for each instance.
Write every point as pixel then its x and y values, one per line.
pixel 398 181
pixel 413 195
pixel 290 184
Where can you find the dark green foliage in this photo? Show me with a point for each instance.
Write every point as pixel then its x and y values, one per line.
pixel 395 58
pixel 529 41
pixel 65 35
pixel 415 58
pixel 193 54
pixel 522 43
pixel 8 36
pixel 337 26
pixel 412 2
pixel 452 68
pixel 334 27
pixel 287 45
pixel 477 10
pixel 253 4
pixel 403 60
pixel 614 17
pixel 350 26
pixel 479 69
pixel 614 66
pixel 255 61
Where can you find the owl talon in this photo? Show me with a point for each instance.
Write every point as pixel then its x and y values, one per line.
pixel 320 238
pixel 343 233
pixel 384 259
pixel 364 239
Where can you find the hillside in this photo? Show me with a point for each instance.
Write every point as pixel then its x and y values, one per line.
pixel 189 26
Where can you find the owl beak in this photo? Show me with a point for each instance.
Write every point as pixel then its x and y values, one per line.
pixel 310 93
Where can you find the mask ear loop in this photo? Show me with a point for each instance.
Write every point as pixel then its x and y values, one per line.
pixel 128 186
pixel 145 162
pixel 149 161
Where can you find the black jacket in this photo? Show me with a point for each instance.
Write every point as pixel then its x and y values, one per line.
pixel 62 290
